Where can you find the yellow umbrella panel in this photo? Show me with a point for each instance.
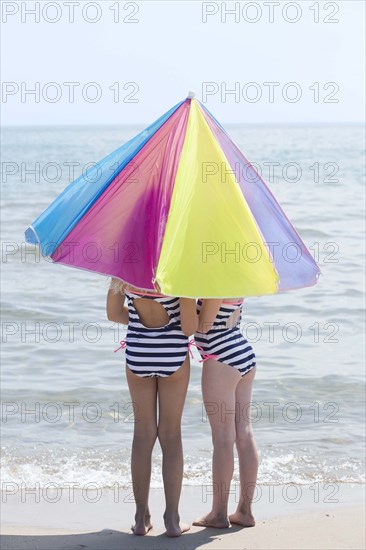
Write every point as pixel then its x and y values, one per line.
pixel 212 246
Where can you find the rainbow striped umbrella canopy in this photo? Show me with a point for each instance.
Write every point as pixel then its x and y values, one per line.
pixel 178 209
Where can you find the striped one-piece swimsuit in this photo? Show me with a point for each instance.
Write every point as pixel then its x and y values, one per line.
pixel 155 351
pixel 227 345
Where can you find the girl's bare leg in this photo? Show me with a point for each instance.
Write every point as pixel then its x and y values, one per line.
pixel 171 394
pixel 247 452
pixel 144 395
pixel 218 390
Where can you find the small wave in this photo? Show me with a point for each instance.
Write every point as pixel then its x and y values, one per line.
pixel 106 469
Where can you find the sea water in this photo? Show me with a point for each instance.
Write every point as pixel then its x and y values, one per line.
pixel 67 416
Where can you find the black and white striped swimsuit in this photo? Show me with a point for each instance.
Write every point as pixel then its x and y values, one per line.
pixel 227 345
pixel 155 351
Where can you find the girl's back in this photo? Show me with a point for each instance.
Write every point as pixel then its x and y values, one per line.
pixel 155 342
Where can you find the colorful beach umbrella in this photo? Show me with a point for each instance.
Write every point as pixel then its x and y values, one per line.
pixel 178 209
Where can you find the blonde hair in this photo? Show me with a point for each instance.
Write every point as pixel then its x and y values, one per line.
pixel 117 286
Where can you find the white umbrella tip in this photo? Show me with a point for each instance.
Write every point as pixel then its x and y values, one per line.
pixel 191 94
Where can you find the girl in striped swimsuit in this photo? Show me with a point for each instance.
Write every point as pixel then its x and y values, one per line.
pixel 157 371
pixel 229 367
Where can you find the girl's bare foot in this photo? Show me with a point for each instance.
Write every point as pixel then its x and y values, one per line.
pixel 212 520
pixel 142 524
pixel 174 528
pixel 245 520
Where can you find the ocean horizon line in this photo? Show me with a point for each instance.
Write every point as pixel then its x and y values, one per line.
pixel 145 124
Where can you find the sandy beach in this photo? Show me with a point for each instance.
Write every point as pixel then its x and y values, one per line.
pixel 344 528
pixel 105 523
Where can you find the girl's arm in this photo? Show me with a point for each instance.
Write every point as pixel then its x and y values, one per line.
pixel 209 310
pixel 188 316
pixel 116 310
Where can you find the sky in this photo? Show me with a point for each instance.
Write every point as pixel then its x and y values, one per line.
pixel 128 62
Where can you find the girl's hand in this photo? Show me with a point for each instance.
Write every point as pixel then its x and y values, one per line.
pixel 116 310
pixel 208 313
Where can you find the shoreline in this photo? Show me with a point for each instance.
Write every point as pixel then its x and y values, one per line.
pixel 287 516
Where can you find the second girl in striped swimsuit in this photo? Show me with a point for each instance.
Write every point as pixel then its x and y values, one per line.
pixel 228 372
